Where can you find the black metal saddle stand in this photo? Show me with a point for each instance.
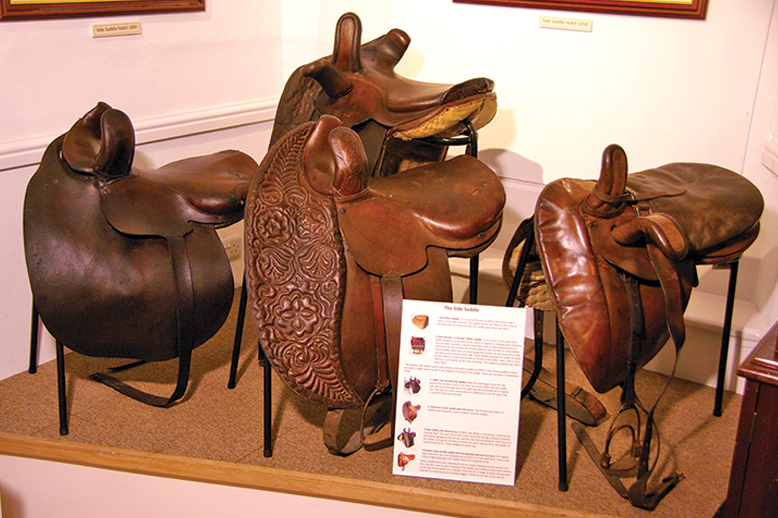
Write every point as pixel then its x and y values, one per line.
pixel 560 352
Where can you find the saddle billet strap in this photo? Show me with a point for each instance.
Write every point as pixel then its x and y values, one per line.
pixel 382 377
pixel 663 252
pixel 666 249
pixel 630 196
pixel 182 273
pixel 392 292
pixel 667 272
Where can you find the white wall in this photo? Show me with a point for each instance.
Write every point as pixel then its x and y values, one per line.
pixel 180 63
pixel 665 89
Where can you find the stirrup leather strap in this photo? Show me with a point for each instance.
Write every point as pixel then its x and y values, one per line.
pixel 182 274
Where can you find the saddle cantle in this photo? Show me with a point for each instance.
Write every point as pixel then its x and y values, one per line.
pixel 332 252
pixel 125 262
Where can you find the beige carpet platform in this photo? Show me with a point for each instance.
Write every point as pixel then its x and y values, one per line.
pixel 215 434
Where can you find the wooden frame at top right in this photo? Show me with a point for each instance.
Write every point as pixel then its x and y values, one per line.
pixel 694 9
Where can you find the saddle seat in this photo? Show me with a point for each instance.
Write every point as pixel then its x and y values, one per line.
pixel 207 189
pixel 360 84
pixel 390 221
pixel 717 211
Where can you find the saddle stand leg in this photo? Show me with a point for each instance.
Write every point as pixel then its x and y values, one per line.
pixel 472 150
pixel 561 410
pixel 725 332
pixel 560 352
pixel 62 389
pixel 267 415
pixel 538 315
pixel 264 365
pixel 33 368
pixel 238 336
pixel 538 320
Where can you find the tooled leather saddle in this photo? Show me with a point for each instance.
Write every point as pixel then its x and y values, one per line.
pixel 331 253
pixel 361 246
pixel 616 260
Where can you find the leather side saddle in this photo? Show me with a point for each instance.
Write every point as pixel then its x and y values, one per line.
pixel 393 116
pixel 365 239
pixel 331 253
pixel 125 262
pixel 617 262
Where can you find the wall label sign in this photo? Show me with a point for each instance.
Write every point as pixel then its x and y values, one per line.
pixel 459 392
pixel 115 29
pixel 569 24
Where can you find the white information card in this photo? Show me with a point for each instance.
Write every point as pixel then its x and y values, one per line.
pixel 459 390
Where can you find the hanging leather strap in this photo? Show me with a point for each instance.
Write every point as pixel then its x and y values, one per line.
pixel 387 303
pixel 185 321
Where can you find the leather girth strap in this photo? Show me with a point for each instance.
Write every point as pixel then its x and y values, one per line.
pixel 182 273
pixel 392 295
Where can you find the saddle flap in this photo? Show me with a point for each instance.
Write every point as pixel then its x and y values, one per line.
pixel 383 248
pixel 137 207
pixel 165 202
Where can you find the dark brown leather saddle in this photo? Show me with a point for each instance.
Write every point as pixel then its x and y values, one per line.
pixel 331 253
pixel 616 259
pixel 125 262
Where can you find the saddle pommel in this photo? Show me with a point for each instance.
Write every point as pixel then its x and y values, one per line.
pixel 350 163
pixel 101 142
pixel 608 195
